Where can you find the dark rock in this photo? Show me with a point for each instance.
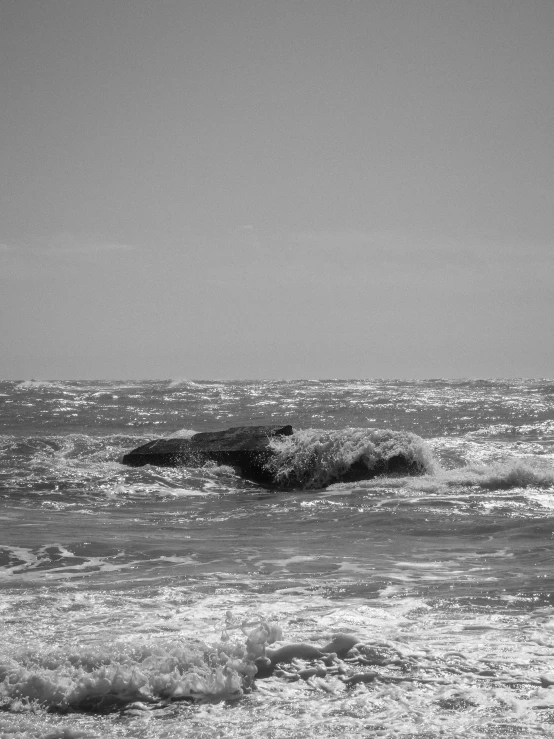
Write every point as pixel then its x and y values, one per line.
pixel 244 447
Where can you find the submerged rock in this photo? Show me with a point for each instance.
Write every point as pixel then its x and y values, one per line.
pixel 277 456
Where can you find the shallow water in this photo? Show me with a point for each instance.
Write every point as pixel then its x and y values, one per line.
pixel 128 594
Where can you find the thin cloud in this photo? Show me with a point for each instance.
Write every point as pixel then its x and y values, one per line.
pixel 38 260
pixel 399 252
pixel 68 246
pixel 347 238
pixel 63 244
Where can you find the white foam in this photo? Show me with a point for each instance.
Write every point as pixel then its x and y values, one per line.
pixel 316 458
pixel 183 382
pixel 447 672
pixel 182 434
pixel 509 475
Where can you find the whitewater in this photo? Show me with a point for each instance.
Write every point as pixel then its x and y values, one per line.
pixel 189 602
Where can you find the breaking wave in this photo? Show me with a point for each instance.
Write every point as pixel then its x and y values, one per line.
pixel 503 476
pixel 314 458
pixel 490 477
pixel 183 382
pixel 543 430
pixel 105 678
pixel 41 385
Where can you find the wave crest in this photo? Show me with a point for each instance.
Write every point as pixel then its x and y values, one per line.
pixel 502 476
pixel 315 458
pixel 105 678
pixel 506 475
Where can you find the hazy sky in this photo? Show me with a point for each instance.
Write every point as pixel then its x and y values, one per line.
pixel 276 188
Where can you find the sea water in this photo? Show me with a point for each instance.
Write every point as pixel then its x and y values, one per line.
pixel 134 602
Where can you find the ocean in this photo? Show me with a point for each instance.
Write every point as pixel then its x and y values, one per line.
pixel 140 602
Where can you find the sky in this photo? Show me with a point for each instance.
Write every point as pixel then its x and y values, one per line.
pixel 245 189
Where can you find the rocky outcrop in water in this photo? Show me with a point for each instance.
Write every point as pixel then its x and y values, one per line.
pixel 250 451
pixel 245 448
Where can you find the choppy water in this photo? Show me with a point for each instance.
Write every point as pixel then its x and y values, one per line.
pixel 133 600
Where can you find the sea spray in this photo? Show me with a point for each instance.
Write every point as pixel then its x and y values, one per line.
pixel 493 476
pixel 315 458
pixel 104 678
